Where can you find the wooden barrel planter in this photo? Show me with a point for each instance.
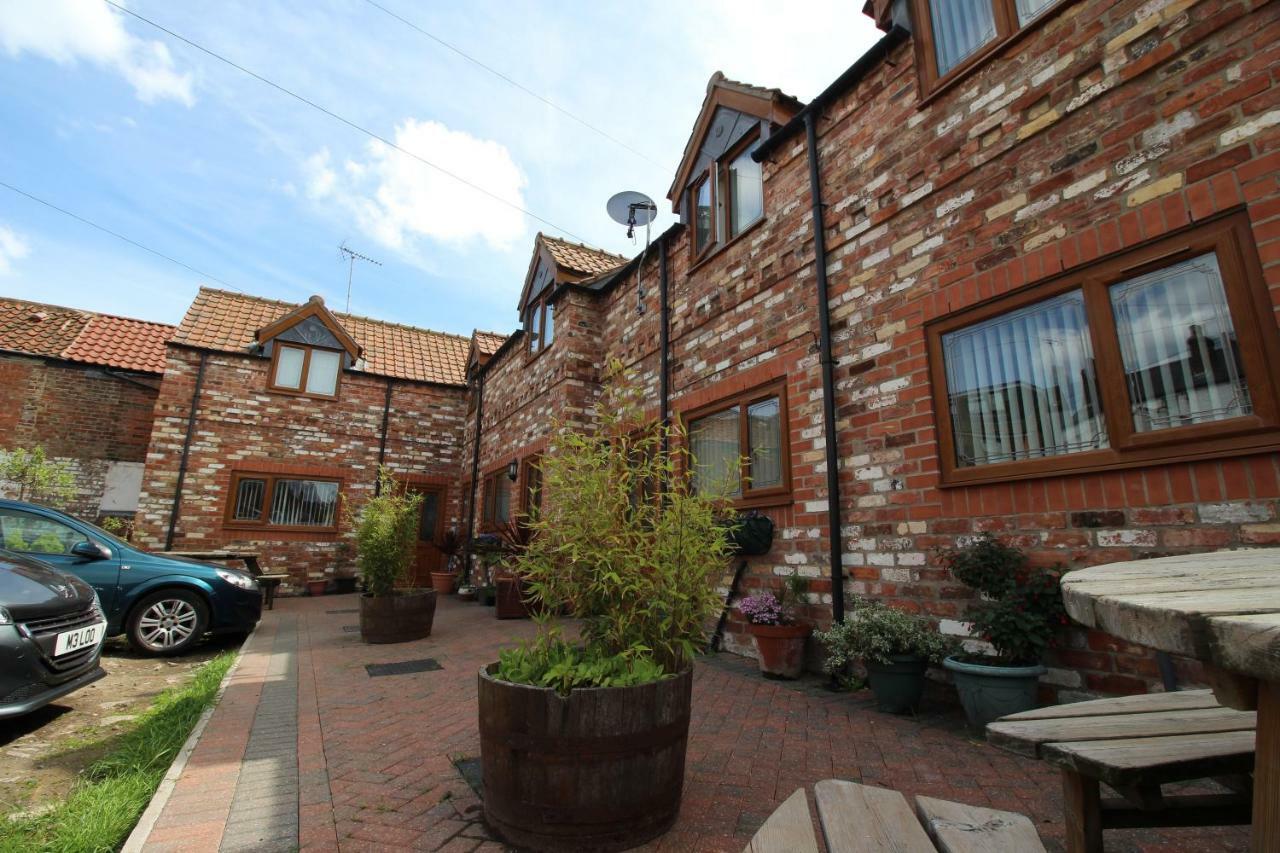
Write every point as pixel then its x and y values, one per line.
pixel 398 618
pixel 600 769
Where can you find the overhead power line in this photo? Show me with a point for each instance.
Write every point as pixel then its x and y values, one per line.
pixel 118 235
pixel 348 122
pixel 517 84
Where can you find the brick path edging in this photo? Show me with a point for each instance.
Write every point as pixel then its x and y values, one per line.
pixel 142 830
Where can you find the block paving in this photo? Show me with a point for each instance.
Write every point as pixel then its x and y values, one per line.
pixel 375 757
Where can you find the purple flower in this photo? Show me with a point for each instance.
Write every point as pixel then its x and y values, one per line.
pixel 761 609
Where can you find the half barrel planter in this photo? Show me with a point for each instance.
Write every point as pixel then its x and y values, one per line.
pixel 599 769
pixel 400 618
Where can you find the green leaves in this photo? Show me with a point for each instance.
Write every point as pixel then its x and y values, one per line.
pixel 386 531
pixel 38 478
pixel 551 662
pixel 875 632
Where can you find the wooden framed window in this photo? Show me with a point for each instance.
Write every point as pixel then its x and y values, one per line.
pixel 741 443
pixel 497 499
pixel 954 35
pixel 702 213
pixel 743 181
pixel 532 503
pixel 284 502
pixel 1164 353
pixel 540 326
pixel 299 369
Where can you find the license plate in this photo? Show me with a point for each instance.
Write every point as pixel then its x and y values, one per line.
pixel 74 641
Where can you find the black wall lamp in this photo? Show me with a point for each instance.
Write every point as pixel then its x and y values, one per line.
pixel 513 470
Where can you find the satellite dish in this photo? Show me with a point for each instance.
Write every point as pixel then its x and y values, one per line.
pixel 631 208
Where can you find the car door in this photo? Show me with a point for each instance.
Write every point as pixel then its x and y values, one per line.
pixel 51 540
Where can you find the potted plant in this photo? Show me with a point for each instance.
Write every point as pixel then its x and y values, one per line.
pixel 605 716
pixel 386 538
pixel 779 637
pixel 466 593
pixel 443 581
pixel 316 585
pixel 1018 612
pixel 895 647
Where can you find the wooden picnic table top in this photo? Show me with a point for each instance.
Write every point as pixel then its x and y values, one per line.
pixel 1221 608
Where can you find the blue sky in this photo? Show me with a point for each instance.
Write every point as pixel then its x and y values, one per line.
pixel 120 123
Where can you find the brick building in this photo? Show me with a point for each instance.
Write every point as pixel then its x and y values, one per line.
pixel 82 386
pixel 1041 300
pixel 274 417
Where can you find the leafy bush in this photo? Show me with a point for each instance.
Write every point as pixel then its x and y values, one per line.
pixel 874 633
pixel 638 563
pixel 39 479
pixel 386 533
pixel 765 608
pixel 552 662
pixel 1021 608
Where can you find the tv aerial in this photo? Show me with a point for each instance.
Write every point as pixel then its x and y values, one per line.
pixel 631 209
pixel 351 256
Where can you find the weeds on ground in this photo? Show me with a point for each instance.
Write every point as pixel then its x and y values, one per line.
pixel 107 801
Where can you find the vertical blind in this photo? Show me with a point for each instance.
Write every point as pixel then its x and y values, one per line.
pixel 1023 385
pixel 959 28
pixel 746 192
pixel 1029 10
pixel 764 434
pixel 249 495
pixel 304 503
pixel 1178 344
pixel 713 442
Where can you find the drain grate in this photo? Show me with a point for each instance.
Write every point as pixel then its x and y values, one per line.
pixel 350 629
pixel 345 610
pixel 404 667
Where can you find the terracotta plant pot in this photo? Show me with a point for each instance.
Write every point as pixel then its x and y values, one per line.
pixel 406 615
pixel 442 582
pixel 599 769
pixel 780 649
pixel 317 587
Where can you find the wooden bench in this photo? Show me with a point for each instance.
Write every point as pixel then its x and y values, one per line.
pixel 269 582
pixel 1134 745
pixel 862 819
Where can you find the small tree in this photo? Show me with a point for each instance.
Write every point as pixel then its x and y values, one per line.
pixel 386 531
pixel 39 479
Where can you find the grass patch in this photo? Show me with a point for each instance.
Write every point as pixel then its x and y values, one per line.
pixel 112 792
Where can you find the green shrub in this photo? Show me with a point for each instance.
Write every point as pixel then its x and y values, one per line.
pixel 552 662
pixel 622 543
pixel 873 632
pixel 386 534
pixel 39 479
pixel 1020 610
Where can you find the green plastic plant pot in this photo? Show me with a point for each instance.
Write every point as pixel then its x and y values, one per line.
pixel 990 692
pixel 899 685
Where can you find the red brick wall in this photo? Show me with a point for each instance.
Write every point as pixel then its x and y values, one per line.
pixel 243 426
pixel 1109 124
pixel 81 415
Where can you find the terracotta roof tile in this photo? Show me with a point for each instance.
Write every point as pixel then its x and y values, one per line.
pixel 84 336
pixel 580 258
pixel 225 321
pixel 488 342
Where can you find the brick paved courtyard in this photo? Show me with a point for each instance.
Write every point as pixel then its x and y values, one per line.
pixel 307 751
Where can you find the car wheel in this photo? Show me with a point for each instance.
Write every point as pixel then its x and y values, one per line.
pixel 168 622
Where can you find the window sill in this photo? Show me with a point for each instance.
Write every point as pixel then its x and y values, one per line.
pixel 271 389
pixel 719 249
pixel 776 499
pixel 931 92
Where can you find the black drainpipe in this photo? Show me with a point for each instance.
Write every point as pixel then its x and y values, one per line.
pixel 828 373
pixel 186 453
pixel 382 441
pixel 664 314
pixel 475 467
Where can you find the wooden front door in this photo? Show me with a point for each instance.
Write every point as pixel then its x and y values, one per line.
pixel 430 524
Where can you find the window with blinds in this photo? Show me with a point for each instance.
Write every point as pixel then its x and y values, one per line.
pixel 1163 352
pixel 739 446
pixel 264 500
pixel 951 35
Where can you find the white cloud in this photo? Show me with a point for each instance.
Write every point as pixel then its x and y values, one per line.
pixel 12 247
pixel 395 198
pixel 66 31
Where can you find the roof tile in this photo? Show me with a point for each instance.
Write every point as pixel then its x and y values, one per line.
pixel 73 335
pixel 580 258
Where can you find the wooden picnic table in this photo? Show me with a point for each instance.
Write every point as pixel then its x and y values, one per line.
pixel 1221 608
pixel 269 582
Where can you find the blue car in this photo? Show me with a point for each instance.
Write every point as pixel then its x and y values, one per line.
pixel 164 604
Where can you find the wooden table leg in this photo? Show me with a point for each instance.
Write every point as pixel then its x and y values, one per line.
pixel 1266 771
pixel 1083 813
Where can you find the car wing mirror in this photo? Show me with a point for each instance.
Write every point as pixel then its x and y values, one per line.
pixel 90 551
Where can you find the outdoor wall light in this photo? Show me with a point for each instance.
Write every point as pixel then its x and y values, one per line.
pixel 513 470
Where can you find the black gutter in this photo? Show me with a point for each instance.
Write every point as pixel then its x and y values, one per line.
pixel 382 439
pixel 664 360
pixel 186 453
pixel 877 53
pixel 828 372
pixel 475 464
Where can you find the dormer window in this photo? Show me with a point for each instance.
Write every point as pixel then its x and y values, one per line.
pixel 745 186
pixel 728 198
pixel 540 325
pixel 306 370
pixel 703 216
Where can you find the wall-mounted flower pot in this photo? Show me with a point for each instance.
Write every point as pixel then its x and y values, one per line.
pixel 398 618
pixel 780 649
pixel 990 692
pixel 898 685
pixel 442 582
pixel 317 587
pixel 599 769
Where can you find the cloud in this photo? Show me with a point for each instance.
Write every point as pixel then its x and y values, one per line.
pixel 67 31
pixel 395 198
pixel 12 247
